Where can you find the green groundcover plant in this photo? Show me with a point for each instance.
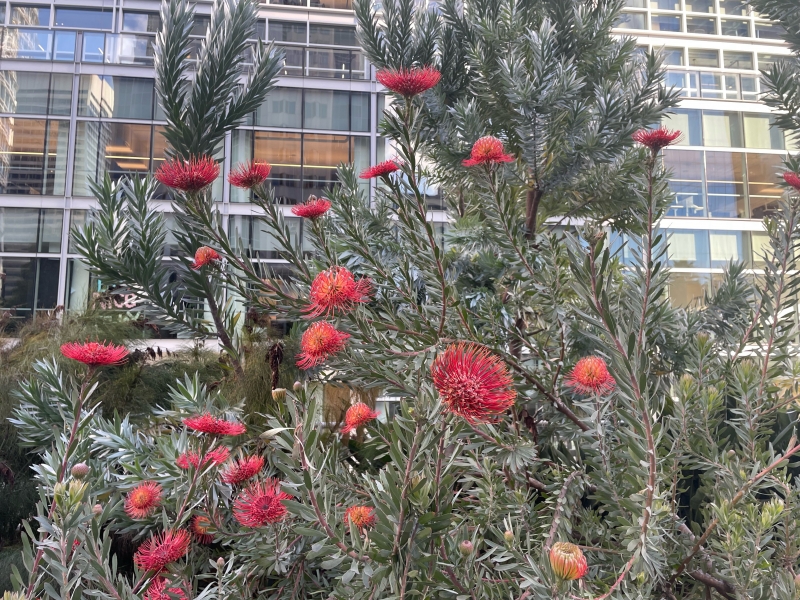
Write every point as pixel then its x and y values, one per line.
pixel 563 431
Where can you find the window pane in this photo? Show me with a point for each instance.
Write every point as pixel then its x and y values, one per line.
pixel 64 46
pixel 24 93
pixel 725 184
pixel 19 229
pixel 765 61
pixel 332 35
pixel 50 239
pixel 725 246
pixel 665 23
pixel 283 152
pixel 34 159
pixel 704 6
pixel 129 97
pixel 322 154
pixel 87 156
pixel 78 284
pixel 60 94
pixel 28 44
pixel 689 123
pixel 761 249
pixel 673 57
pixel 769 31
pixel 83 18
pixel 688 248
pixel 760 132
pixel 30 15
pixel 90 96
pixel 735 28
pixel 281 108
pixel 701 25
pixel 200 24
pixel 140 22
pixel 722 128
pixel 636 3
pixel 665 4
pixel 732 7
pixel 359 111
pixel 327 109
pixel 127 149
pixel 703 58
pixel 338 4
pixel 632 21
pixel 286 31
pixel 762 177
pixel 361 146
pixel 688 289
pixel 257 239
pixel 686 183
pixel 738 60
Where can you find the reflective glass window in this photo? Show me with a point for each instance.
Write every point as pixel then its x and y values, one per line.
pixel 332 35
pixel 688 121
pixel 140 22
pixel 28 284
pixel 701 25
pixel 722 128
pixel 738 60
pixel 703 6
pixel 359 111
pixel 732 7
pixel 673 57
pixel 665 4
pixel 631 20
pixel 84 18
pixel 725 184
pixel 31 16
pixel 287 31
pixel 665 23
pixel 34 157
pixel 725 247
pixel 688 248
pixel 769 31
pixel 703 58
pixel 763 187
pixel 735 27
pixel 256 237
pixel 760 132
pixel 326 109
pixel 688 290
pixel 686 182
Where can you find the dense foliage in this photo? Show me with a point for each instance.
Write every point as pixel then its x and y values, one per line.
pixel 563 432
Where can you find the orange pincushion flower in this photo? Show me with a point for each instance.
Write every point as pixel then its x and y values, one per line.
pixel 162 549
pixel 409 82
pixel 249 175
pixel 590 376
pixel 488 150
pixel 216 456
pixel 243 469
pixel 793 179
pixel 336 290
pixel 472 382
pixel 656 139
pixel 320 341
pixel 567 561
pixel 360 516
pixel 199 528
pixel 143 500
pixel 188 175
pixel 158 591
pixel 380 170
pixel 203 256
pixel 357 415
pixel 207 423
pixel 261 504
pixel 314 208
pixel 95 354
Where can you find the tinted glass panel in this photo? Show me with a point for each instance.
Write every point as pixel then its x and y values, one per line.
pixel 632 21
pixel 30 15
pixel 701 25
pixel 722 128
pixel 665 23
pixel 331 35
pixel 735 28
pixel 703 58
pixel 34 157
pixel 725 184
pixel 140 22
pixel 738 60
pixel 762 177
pixel 327 109
pixel 282 108
pixel 286 31
pixel 673 56
pixel 83 18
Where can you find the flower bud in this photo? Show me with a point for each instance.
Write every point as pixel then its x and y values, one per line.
pixel 297 386
pixel 567 561
pixel 508 536
pixel 279 394
pixel 731 453
pixel 80 470
pixel 220 562
pixel 466 547
pixel 97 510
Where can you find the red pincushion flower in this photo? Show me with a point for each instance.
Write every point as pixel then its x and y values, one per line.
pixel 380 170
pixel 158 591
pixel 793 179
pixel 357 415
pixel 261 504
pixel 207 423
pixel 409 82
pixel 249 175
pixel 590 376
pixel 568 561
pixel 319 342
pixel 243 469
pixel 360 516
pixel 336 290
pixel 488 150
pixel 143 500
pixel 199 528
pixel 216 456
pixel 188 175
pixel 95 354
pixel 656 139
pixel 472 382
pixel 162 549
pixel 314 208
pixel 203 256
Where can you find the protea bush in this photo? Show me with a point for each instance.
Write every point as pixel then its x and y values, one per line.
pixel 562 431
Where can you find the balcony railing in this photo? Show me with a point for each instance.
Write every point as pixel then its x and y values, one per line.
pixel 715 85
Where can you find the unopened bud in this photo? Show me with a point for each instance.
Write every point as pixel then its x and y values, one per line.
pixel 731 453
pixel 97 510
pixel 508 536
pixel 297 386
pixel 220 562
pixel 279 394
pixel 567 561
pixel 80 470
pixel 466 547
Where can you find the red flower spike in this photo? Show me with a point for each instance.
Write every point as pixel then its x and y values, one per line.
pixel 362 517
pixel 203 256
pixel 793 179
pixel 357 415
pixel 473 383
pixel 314 208
pixel 249 175
pixel 162 549
pixel 656 139
pixel 336 290
pixel 261 504
pixel 158 591
pixel 409 82
pixel 380 170
pixel 590 376
pixel 199 528
pixel 206 423
pixel 143 500
pixel 190 175
pixel 243 469
pixel 488 150
pixel 567 561
pixel 217 457
pixel 95 354
pixel 319 342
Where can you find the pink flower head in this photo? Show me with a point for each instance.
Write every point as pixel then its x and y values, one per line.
pixel 320 341
pixel 199 528
pixel 216 456
pixel 95 354
pixel 362 517
pixel 590 376
pixel 473 383
pixel 162 549
pixel 243 469
pixel 380 170
pixel 249 175
pixel 207 423
pixel 793 179
pixel 261 504
pixel 190 175
pixel 143 500
pixel 357 415
pixel 314 208
pixel 568 561
pixel 409 82
pixel 204 256
pixel 158 591
pixel 488 150
pixel 656 139
pixel 336 290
